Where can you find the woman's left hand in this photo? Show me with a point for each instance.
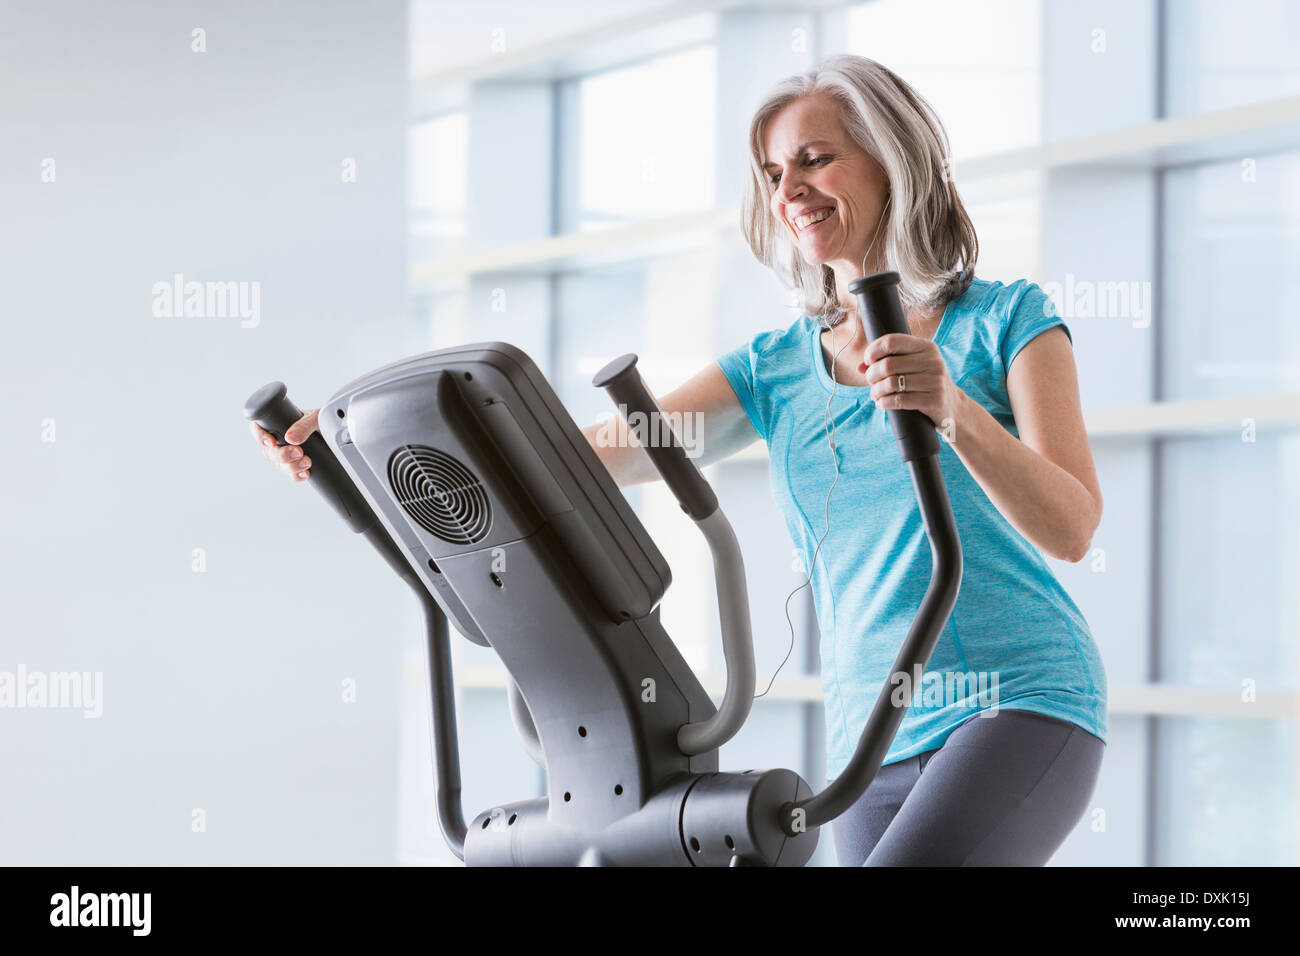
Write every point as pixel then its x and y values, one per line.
pixel 926 385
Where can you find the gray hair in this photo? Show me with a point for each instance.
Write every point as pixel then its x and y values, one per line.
pixel 929 238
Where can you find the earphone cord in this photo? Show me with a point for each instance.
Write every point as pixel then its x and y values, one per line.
pixel 879 222
pixel 829 425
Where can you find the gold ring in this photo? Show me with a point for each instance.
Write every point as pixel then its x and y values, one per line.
pixel 902 383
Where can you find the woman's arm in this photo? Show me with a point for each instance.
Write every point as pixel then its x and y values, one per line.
pixel 1045 483
pixel 720 428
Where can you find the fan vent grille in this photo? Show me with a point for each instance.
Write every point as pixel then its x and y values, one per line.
pixel 444 497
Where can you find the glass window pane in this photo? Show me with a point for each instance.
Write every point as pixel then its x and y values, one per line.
pixel 644 140
pixel 438 184
pixel 1228 561
pixel 598 315
pixel 442 319
pixel 1232 278
pixel 1230 54
pixel 1010 234
pixel 1113 585
pixel 445 34
pixel 981 71
pixel 1225 792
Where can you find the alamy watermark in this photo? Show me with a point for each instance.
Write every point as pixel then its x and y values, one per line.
pixel 208 300
pixel 1085 299
pixel 125 910
pixel 71 690
pixel 925 689
pixel 655 430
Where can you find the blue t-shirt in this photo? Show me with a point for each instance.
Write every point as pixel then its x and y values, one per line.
pixel 1015 639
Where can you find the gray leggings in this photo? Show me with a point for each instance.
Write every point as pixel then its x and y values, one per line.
pixel 1003 790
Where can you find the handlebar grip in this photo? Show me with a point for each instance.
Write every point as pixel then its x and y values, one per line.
pixel 272 409
pixel 624 384
pixel 881 312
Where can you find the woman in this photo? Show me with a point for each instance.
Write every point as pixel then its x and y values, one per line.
pixel 996 763
pixel 999 751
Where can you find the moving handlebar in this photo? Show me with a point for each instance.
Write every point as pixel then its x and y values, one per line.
pixel 661 443
pixel 881 313
pixel 272 409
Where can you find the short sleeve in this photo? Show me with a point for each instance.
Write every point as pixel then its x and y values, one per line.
pixel 1033 314
pixel 738 366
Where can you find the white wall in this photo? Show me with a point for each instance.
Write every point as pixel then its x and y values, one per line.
pixel 221 689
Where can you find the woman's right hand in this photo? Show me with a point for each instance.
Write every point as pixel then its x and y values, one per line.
pixel 290 458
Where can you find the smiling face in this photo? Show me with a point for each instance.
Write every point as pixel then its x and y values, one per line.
pixel 827 191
